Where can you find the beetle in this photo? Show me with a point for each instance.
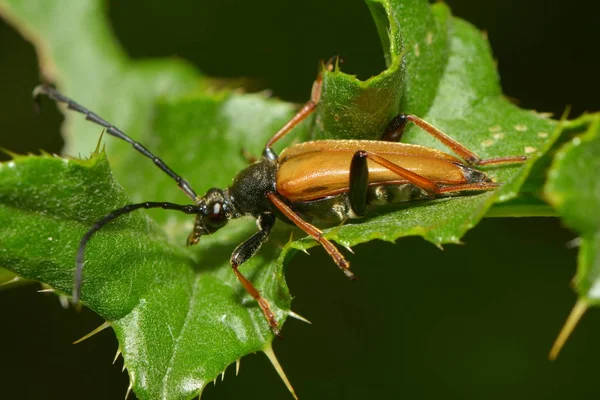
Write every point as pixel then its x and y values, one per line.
pixel 312 182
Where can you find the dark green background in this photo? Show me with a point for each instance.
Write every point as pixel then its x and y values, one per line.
pixel 471 322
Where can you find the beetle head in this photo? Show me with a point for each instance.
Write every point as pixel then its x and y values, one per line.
pixel 214 210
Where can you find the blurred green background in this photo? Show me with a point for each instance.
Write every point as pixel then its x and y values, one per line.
pixel 471 322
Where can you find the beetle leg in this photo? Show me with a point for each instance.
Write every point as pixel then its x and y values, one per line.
pixel 314 232
pixel 304 112
pixel 480 186
pixel 300 116
pixel 396 128
pixel 359 183
pixel 421 182
pixel 245 251
pixel 359 179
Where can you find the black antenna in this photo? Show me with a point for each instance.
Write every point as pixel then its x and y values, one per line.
pixel 111 130
pixel 187 209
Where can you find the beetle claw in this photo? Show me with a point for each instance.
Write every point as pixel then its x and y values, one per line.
pixel 350 274
pixel 270 316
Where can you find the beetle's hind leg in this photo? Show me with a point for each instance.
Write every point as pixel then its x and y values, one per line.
pixel 396 128
pixel 245 251
pixel 313 231
pixel 359 180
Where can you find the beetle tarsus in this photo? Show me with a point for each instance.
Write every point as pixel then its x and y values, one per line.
pixel 502 160
pixel 349 274
pixel 262 302
pixel 270 316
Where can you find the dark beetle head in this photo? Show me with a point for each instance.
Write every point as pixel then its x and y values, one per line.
pixel 214 210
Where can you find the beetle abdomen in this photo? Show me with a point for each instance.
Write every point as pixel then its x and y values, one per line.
pixel 337 208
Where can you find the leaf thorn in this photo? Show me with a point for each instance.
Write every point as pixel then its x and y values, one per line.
pixel 46 290
pixel 223 375
pixel 347 247
pixel 576 313
pixel 271 356
pixel 99 143
pixel 92 333
pixel 298 317
pixel 11 281
pixel 238 362
pixel 117 356
pixel 573 243
pixel 128 390
pixel 64 301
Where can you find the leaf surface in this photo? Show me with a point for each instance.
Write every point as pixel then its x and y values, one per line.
pixel 573 189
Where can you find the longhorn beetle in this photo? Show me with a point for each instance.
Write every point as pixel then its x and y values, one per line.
pixel 326 180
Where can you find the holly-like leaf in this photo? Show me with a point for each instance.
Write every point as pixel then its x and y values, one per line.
pixel 468 105
pixel 573 189
pixel 179 314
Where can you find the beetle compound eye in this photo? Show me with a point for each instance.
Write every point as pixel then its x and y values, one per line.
pixel 216 215
pixel 217 211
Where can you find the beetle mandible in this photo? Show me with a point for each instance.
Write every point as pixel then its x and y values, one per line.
pixel 326 180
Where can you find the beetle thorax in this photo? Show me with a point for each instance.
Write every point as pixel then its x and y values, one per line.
pixel 250 187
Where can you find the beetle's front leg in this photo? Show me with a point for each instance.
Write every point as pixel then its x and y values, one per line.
pixel 312 230
pixel 244 252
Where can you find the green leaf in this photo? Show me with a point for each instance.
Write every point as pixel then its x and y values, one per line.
pixel 169 306
pixel 415 45
pixel 573 189
pixel 467 104
pixel 179 313
pixel 92 68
